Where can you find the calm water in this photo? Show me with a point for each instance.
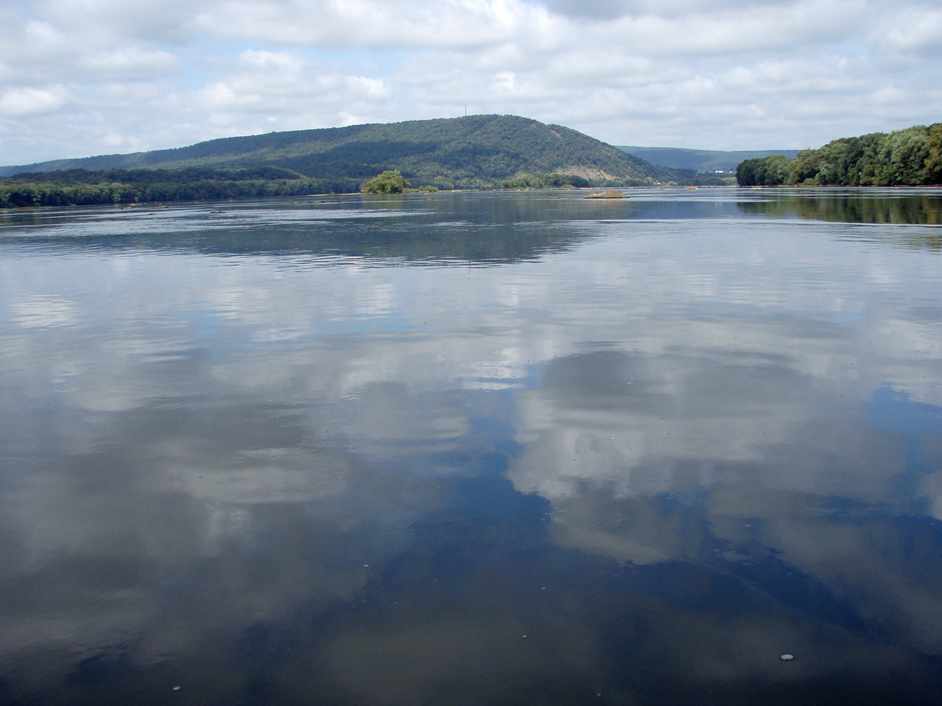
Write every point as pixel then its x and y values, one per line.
pixel 467 449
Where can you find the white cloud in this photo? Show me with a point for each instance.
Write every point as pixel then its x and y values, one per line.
pixel 31 101
pixel 116 140
pixel 130 60
pixel 42 35
pixel 915 29
pixel 222 94
pixel 466 23
pixel 270 60
pixel 369 87
pixel 733 73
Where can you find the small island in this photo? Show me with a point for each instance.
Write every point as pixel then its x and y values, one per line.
pixel 390 181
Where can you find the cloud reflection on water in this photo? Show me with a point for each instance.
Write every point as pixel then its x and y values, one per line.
pixel 255 472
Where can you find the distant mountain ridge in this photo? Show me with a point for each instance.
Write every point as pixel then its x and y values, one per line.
pixel 478 150
pixel 702 161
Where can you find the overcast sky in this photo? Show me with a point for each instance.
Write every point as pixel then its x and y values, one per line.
pixel 81 77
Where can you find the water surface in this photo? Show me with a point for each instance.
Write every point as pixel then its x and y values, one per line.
pixel 474 449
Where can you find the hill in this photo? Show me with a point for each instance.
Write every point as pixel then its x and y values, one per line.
pixel 474 151
pixel 910 157
pixel 701 161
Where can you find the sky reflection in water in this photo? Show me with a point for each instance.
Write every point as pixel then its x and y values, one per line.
pixel 474 448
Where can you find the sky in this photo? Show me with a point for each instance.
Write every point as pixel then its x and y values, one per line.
pixel 83 77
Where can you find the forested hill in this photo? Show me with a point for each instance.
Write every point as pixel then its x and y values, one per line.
pixel 911 157
pixel 479 150
pixel 702 161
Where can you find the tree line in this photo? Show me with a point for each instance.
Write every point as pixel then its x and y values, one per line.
pixel 88 187
pixel 911 157
pixel 543 181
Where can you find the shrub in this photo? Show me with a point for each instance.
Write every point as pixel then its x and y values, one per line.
pixel 389 182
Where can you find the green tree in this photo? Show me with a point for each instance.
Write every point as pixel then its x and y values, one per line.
pixel 388 182
pixel 933 164
pixel 910 157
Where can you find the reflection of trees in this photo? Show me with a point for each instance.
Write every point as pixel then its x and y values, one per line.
pixel 917 210
pixel 924 241
pixel 458 242
pixel 460 227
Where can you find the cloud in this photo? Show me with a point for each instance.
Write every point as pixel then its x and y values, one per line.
pixel 609 9
pixel 470 24
pixel 31 100
pixel 286 90
pixel 270 60
pixel 915 29
pixel 132 60
pixel 729 74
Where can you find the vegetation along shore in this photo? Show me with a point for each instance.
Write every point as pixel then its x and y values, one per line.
pixel 911 157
